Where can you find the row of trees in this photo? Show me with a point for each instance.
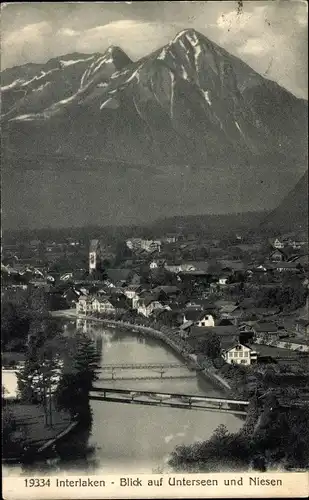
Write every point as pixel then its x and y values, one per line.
pixel 21 311
pixel 77 379
pixel 278 437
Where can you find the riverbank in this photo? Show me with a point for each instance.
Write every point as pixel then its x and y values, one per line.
pixel 31 435
pixel 166 335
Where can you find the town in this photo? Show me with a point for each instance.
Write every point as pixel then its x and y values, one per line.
pixel 235 307
pixel 251 298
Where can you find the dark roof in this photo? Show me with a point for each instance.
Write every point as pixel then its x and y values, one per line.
pixel 134 288
pixel 149 294
pixel 225 322
pixel 235 265
pixel 228 309
pixel 234 344
pixel 149 299
pixel 302 322
pixel 228 342
pixel 266 327
pixel 196 273
pixel 194 315
pixel 221 331
pixel 119 302
pixel 284 265
pixel 265 311
pixel 204 303
pixel 246 303
pixel 167 289
pixel 117 275
pixel 280 250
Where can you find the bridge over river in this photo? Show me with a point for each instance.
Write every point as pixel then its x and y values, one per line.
pixel 146 371
pixel 172 400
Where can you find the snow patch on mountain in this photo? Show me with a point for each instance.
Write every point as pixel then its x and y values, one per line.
pixel 28 117
pixel 162 55
pixel 105 103
pixel 98 64
pixel 238 127
pixel 67 62
pixel 41 87
pixel 116 74
pixel 179 35
pixel 192 38
pixel 172 92
pixel 39 77
pixel 184 73
pixel 206 95
pixel 12 85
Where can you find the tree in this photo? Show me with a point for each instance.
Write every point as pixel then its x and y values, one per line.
pixel 72 393
pixel 210 346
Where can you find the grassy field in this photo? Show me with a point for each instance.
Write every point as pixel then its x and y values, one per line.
pixel 31 428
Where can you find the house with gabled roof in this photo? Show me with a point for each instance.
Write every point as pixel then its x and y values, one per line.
pixel 277 255
pixel 122 277
pixel 147 305
pixel 276 243
pixel 103 305
pixel 199 318
pixel 239 354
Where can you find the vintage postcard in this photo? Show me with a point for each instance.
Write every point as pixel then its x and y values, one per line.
pixel 154 249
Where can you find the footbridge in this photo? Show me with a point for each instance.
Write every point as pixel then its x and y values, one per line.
pixel 146 371
pixel 170 400
pixel 142 366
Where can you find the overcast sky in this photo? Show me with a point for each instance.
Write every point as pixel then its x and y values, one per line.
pixel 270 36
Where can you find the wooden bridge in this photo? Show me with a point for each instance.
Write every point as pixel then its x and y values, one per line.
pixel 142 366
pixel 170 400
pixel 146 371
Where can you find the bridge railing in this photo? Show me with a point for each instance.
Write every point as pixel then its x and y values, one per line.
pixel 172 395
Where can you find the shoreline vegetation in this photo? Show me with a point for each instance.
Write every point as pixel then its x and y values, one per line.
pixel 270 437
pixel 168 337
pixel 53 387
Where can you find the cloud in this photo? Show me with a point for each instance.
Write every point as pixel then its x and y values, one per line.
pixel 270 36
pixel 137 38
pixel 18 44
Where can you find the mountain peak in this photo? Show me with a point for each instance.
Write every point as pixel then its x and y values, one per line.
pixel 116 55
pixel 189 35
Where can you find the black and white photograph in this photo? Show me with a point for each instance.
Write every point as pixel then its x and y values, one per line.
pixel 154 246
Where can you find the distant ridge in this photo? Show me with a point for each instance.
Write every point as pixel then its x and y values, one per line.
pixel 292 213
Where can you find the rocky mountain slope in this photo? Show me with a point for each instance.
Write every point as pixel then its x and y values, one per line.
pixel 190 114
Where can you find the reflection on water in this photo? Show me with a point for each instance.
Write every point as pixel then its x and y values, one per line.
pixel 138 438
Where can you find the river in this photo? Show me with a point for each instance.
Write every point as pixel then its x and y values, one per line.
pixel 136 438
pixel 139 437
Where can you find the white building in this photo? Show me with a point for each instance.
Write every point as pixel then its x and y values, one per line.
pixel 94 255
pixel 102 305
pixel 84 305
pixel 198 318
pixel 146 307
pixel 240 354
pixel 144 244
pixel 278 244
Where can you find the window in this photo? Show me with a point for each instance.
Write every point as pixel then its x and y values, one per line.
pixel 240 354
pixel 235 354
pixel 230 354
pixel 246 354
pixel 243 361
